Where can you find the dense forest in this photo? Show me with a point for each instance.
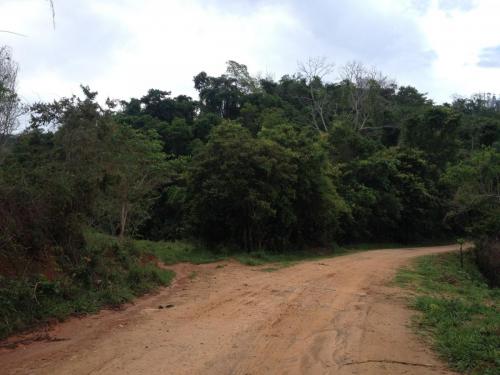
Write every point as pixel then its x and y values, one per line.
pixel 253 164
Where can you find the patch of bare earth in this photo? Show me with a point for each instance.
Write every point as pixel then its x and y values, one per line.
pixel 334 316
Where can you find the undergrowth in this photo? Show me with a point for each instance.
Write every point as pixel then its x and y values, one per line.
pixel 171 252
pixel 459 312
pixel 107 273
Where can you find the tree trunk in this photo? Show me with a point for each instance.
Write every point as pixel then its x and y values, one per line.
pixel 123 220
pixel 461 257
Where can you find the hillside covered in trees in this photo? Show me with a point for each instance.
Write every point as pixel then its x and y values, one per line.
pixel 253 164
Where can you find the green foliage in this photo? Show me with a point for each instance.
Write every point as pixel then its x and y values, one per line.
pixel 171 252
pixel 346 144
pixel 272 191
pixel 219 95
pixel 257 167
pixel 317 204
pixel 434 131
pixel 40 204
pixel 134 166
pixel 168 215
pixel 392 196
pixel 238 185
pixel 282 260
pixel 108 274
pixel 459 311
pixel 476 186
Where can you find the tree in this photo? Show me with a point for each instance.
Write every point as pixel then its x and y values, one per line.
pixel 314 72
pixel 10 104
pixel 363 89
pixel 392 196
pixel 134 167
pixel 239 189
pixel 346 144
pixel 475 183
pixel 219 95
pixel 245 82
pixel 317 204
pixel 177 137
pixel 158 104
pixel 168 215
pixel 116 168
pixel 434 131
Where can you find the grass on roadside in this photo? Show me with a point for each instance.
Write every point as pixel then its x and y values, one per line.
pixel 171 252
pixel 283 260
pixel 108 273
pixel 396 245
pixel 459 312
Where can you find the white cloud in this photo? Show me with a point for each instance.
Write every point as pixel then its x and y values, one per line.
pixel 459 36
pixel 124 47
pixel 167 45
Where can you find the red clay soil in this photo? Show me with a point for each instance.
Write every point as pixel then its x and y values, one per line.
pixel 333 316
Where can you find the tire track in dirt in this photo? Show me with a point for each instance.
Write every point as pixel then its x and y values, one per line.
pixel 336 316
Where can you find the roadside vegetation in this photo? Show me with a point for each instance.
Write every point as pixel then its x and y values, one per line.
pixel 171 252
pixel 261 170
pixel 459 313
pixel 111 273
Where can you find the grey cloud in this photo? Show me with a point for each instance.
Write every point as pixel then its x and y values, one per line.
pixel 344 30
pixel 490 57
pixel 359 30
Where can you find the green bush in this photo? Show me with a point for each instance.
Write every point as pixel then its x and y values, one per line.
pixel 109 274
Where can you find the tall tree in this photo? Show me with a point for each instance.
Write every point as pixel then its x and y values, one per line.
pixel 434 131
pixel 364 90
pixel 314 71
pixel 10 104
pixel 134 167
pixel 239 189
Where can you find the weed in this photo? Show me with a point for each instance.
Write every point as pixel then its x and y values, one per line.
pixel 108 274
pixel 459 312
pixel 171 252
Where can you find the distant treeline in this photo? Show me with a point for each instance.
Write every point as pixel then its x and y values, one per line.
pixel 253 164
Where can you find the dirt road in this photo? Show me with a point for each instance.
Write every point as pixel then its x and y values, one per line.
pixel 333 316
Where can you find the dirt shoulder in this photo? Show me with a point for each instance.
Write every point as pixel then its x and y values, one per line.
pixel 332 316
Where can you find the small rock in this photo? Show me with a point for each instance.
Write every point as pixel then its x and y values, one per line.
pixel 169 306
pixel 160 307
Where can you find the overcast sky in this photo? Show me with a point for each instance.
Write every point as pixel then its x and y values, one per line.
pixel 121 48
